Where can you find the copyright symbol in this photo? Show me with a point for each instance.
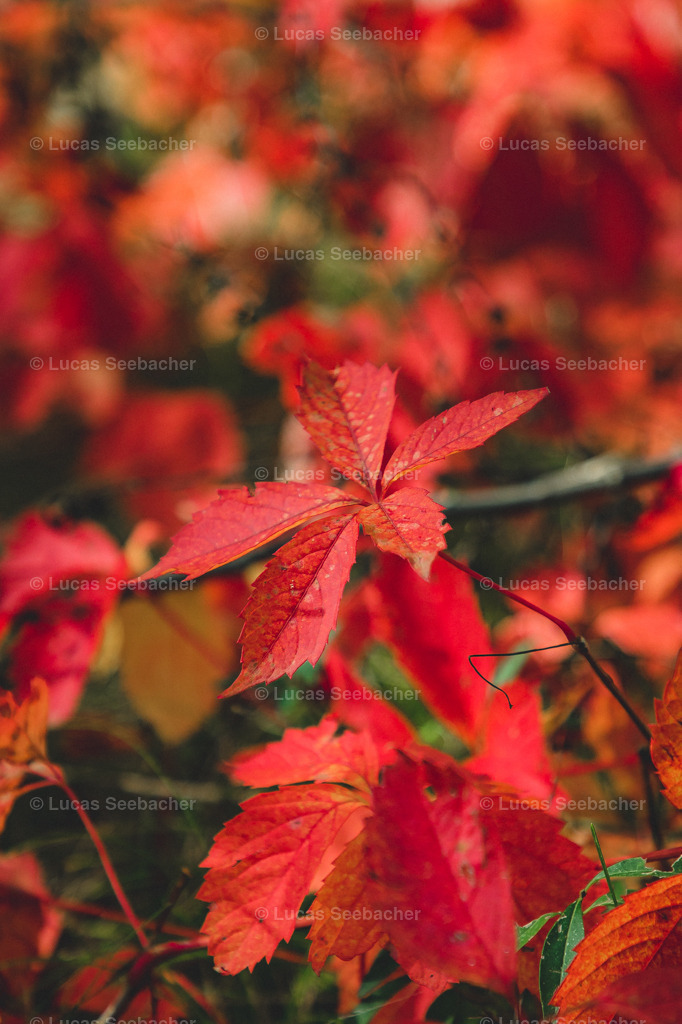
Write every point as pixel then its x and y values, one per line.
pixel 487 142
pixel 261 913
pixel 261 692
pixel 261 33
pixel 486 583
pixel 261 473
pixel 487 1020
pixel 37 363
pixel 36 1020
pixel 36 583
pixel 487 363
pixel 261 252
pixel 36 803
pixel 486 803
pixel 36 143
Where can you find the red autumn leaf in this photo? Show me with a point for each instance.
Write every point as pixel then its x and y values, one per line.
pixel 61 578
pixel 314 753
pixel 666 737
pixel 407 523
pixel 514 750
pixel 362 708
pixel 441 877
pixel 644 931
pixel 347 413
pixel 543 865
pixel 261 867
pixel 433 627
pixel 296 601
pixel 44 555
pixel 464 426
pixel 189 442
pixel 409 1005
pixel 238 522
pixel 643 630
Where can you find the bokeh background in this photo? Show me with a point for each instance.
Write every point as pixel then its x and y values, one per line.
pixel 189 194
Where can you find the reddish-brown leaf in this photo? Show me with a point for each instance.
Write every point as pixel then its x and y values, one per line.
pixel 440 877
pixel 463 426
pixel 345 922
pixel 347 413
pixel 407 523
pixel 644 931
pixel 261 867
pixel 97 985
pixel 546 869
pixel 238 522
pixel 666 736
pixel 296 601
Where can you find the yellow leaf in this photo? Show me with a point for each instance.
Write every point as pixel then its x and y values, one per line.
pixel 177 647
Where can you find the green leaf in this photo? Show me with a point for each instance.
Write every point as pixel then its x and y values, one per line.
pixel 559 950
pixel 526 932
pixel 635 867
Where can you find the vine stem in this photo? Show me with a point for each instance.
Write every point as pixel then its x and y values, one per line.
pixel 56 779
pixel 141 971
pixel 578 643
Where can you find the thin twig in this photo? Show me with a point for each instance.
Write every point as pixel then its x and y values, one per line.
pixel 577 642
pixel 105 861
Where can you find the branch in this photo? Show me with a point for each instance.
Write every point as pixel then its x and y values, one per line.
pixel 602 473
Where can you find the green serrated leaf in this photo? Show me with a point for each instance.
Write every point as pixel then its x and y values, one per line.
pixel 526 932
pixel 559 950
pixel 633 867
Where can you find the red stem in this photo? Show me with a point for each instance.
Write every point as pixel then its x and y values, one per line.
pixel 572 637
pixel 577 642
pixel 109 870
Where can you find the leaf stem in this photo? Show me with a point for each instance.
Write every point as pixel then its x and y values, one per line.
pixel 109 870
pixel 607 876
pixel 578 643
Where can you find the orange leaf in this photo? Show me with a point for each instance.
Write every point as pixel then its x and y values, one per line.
pixel 295 603
pixel 345 924
pixel 23 726
pixel 652 995
pixel 642 932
